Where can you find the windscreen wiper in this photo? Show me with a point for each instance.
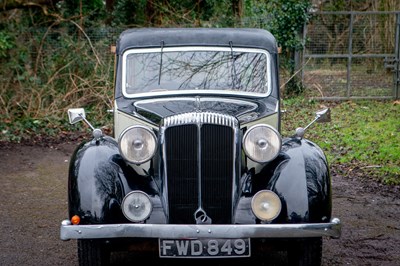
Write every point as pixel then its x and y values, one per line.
pixel 233 66
pixel 159 72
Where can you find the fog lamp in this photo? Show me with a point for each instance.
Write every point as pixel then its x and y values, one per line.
pixel 137 206
pixel 266 205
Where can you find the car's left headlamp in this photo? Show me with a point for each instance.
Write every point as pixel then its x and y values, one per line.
pixel 137 144
pixel 262 143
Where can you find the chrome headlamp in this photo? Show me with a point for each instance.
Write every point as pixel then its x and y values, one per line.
pixel 262 143
pixel 137 144
pixel 137 206
pixel 266 205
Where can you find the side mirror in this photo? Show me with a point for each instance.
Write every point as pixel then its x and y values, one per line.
pixel 76 114
pixel 320 117
pixel 323 116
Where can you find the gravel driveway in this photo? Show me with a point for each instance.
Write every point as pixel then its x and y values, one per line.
pixel 33 198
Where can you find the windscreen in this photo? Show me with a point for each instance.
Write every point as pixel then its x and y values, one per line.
pixel 196 70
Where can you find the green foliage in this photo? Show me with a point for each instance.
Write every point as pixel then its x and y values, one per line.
pixel 335 5
pixel 49 72
pixel 363 135
pixel 91 9
pixel 171 13
pixel 294 87
pixel 6 43
pixel 129 12
pixel 24 128
pixel 288 18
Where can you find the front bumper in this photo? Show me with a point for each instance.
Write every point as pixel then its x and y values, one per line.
pixel 180 231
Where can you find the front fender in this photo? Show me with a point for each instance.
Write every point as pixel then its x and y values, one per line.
pixel 300 176
pixel 94 187
pixel 98 181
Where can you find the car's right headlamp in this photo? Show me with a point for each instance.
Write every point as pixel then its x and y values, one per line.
pixel 137 144
pixel 262 143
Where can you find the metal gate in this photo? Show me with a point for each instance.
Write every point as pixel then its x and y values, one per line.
pixel 352 55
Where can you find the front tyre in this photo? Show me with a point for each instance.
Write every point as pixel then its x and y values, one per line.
pixel 306 252
pixel 92 252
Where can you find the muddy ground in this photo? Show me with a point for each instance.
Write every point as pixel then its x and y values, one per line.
pixel 33 201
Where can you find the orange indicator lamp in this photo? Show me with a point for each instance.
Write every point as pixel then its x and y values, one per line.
pixel 75 219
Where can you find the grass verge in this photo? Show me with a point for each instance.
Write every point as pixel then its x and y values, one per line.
pixel 363 135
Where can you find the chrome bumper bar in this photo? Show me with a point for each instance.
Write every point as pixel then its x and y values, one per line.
pixel 177 231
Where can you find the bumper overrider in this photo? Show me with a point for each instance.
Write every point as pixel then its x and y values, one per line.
pixel 180 231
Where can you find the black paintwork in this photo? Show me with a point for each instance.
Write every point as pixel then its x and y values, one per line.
pixel 300 176
pixel 99 178
pixel 244 109
pixel 175 37
pixel 93 183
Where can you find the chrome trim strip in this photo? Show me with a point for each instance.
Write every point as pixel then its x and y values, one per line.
pixel 177 231
pixel 199 179
pixel 187 92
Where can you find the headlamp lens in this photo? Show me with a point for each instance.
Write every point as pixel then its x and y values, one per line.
pixel 137 206
pixel 266 205
pixel 262 143
pixel 137 144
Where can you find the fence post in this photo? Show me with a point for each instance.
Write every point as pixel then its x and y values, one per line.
pixel 304 53
pixel 397 59
pixel 350 55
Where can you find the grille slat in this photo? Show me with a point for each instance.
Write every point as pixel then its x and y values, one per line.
pixel 217 172
pixel 182 171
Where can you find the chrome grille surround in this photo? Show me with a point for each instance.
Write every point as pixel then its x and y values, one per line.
pixel 200 170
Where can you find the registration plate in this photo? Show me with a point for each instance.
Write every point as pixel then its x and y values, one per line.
pixel 196 248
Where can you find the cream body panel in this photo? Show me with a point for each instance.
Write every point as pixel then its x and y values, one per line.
pixel 121 122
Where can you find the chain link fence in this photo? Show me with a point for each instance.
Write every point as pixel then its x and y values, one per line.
pixel 351 55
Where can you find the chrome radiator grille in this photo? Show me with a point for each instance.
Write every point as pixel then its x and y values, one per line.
pixel 200 153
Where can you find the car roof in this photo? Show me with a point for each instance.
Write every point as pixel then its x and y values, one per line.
pixel 172 37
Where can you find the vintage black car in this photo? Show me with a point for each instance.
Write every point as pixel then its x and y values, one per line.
pixel 196 166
